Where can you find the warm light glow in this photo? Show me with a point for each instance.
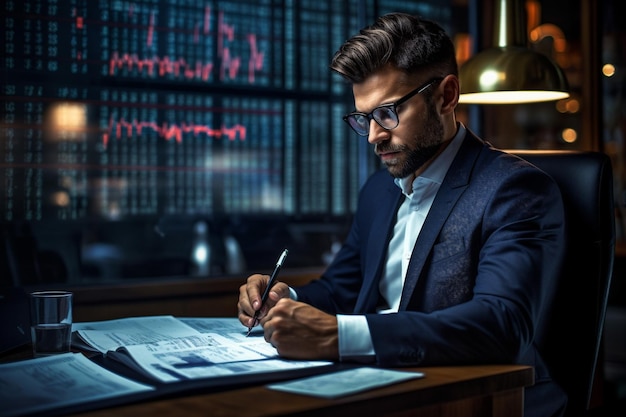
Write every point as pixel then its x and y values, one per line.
pixel 60 199
pixel 490 78
pixel 549 30
pixel 608 70
pixel 463 47
pixel 568 106
pixel 569 135
pixel 67 119
pixel 509 72
pixel 572 106
pixel 533 15
pixel 510 97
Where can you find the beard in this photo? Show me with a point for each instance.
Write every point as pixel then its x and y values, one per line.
pixel 425 145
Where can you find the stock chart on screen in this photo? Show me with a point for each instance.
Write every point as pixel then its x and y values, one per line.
pixel 125 123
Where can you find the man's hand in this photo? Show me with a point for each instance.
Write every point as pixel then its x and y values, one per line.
pixel 299 331
pixel 250 297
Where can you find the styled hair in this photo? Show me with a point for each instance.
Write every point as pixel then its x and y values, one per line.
pixel 407 42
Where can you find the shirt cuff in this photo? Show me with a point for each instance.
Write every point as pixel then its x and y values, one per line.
pixel 293 294
pixel 355 341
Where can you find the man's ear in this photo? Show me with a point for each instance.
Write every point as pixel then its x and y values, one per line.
pixel 451 89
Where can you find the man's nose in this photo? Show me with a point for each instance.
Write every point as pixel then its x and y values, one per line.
pixel 377 133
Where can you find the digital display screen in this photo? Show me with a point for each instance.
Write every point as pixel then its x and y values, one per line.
pixel 126 124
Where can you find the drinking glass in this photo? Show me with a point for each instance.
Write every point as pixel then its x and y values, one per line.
pixel 51 322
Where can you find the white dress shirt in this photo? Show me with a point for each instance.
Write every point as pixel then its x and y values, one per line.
pixel 355 342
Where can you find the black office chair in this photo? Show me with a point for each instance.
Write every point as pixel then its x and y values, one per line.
pixel 570 338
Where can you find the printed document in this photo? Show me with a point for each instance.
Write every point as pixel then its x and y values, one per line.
pixel 338 384
pixel 37 385
pixel 104 336
pixel 167 349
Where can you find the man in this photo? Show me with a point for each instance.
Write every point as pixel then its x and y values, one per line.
pixel 451 258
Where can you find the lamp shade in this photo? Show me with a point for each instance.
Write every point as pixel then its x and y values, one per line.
pixel 510 72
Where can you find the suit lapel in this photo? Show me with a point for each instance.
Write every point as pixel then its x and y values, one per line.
pixel 382 225
pixel 455 182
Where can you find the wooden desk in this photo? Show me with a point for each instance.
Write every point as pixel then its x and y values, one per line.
pixel 491 390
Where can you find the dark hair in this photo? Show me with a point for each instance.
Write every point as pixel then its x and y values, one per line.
pixel 407 42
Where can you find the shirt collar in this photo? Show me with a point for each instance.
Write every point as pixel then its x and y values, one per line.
pixel 436 171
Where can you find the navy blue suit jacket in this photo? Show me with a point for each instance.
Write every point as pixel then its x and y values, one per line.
pixel 481 274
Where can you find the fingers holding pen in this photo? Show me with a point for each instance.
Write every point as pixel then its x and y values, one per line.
pixel 250 295
pixel 254 289
pixel 279 290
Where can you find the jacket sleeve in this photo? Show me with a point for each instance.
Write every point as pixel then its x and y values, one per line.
pixel 512 241
pixel 349 283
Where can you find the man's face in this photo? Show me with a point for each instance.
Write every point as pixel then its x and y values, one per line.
pixel 419 134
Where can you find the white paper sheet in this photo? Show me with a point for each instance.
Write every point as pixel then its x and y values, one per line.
pixel 169 349
pixel 107 335
pixel 42 384
pixel 338 384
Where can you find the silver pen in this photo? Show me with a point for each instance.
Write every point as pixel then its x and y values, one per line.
pixel 270 284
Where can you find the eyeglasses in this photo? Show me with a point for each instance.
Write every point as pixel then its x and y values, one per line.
pixel 385 115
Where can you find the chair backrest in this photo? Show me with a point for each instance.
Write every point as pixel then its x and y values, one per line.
pixel 570 340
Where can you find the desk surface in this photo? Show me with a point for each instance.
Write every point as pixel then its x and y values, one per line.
pixel 495 390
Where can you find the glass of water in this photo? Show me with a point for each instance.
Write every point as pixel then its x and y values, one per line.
pixel 51 322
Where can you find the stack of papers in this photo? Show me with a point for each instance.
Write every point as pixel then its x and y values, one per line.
pixel 167 349
pixel 42 384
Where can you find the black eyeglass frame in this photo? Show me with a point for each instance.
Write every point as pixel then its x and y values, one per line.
pixel 391 106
